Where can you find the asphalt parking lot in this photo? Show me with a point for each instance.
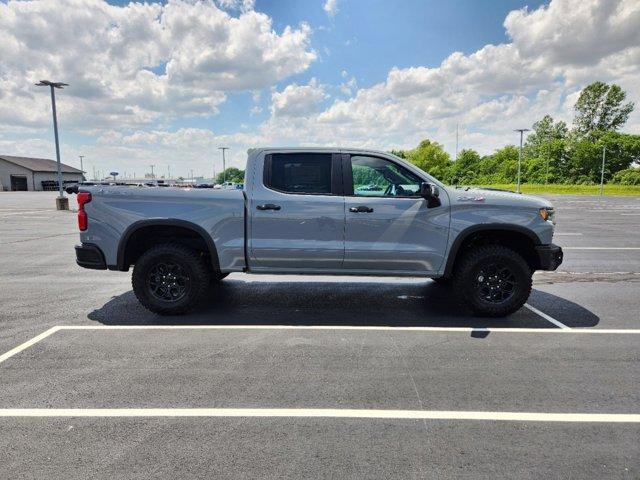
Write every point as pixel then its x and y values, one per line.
pixel 299 377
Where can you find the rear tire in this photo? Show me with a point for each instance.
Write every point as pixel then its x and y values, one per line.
pixel 170 279
pixel 492 281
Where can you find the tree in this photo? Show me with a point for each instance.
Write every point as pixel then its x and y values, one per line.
pixel 600 108
pixel 545 131
pixel 233 174
pixel 465 168
pixel 431 157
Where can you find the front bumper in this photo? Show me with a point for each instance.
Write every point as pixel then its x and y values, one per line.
pixel 549 256
pixel 90 256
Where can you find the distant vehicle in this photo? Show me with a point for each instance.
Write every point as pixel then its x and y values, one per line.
pixel 302 211
pixel 228 186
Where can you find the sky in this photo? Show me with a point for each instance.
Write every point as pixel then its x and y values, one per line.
pixel 167 83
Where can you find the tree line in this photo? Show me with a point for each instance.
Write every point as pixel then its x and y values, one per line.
pixel 553 152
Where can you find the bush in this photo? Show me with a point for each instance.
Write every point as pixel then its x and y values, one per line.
pixel 630 176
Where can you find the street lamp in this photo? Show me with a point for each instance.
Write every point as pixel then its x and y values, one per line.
pixel 62 202
pixel 521 130
pixel 224 168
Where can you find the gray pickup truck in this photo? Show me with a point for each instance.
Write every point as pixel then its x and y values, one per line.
pixel 319 211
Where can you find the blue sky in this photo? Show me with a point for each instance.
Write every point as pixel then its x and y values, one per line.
pixel 167 83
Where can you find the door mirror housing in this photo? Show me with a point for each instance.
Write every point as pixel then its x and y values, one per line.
pixel 431 193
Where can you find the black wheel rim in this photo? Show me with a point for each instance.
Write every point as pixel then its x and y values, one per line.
pixel 168 281
pixel 495 283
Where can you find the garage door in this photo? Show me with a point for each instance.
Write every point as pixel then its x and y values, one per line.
pixel 18 183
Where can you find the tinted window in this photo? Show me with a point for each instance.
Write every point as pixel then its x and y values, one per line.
pixel 376 177
pixel 300 172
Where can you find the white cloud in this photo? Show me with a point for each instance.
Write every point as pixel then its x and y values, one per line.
pixel 331 7
pixel 139 63
pixel 493 90
pixel 552 53
pixel 297 100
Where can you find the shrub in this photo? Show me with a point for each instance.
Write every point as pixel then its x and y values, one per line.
pixel 630 176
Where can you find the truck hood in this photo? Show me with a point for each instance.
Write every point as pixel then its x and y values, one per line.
pixel 496 197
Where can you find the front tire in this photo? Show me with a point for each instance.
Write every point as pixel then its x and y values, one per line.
pixel 493 281
pixel 170 279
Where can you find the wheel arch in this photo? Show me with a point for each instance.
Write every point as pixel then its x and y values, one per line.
pixel 521 239
pixel 132 241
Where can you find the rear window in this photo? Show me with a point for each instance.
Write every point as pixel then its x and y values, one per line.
pixel 300 173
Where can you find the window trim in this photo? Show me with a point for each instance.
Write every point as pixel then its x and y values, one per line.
pixel 347 177
pixel 336 174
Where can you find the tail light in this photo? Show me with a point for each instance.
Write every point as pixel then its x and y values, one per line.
pixel 83 198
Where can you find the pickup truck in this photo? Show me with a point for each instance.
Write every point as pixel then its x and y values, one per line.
pixel 319 211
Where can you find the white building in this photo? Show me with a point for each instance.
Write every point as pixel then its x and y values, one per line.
pixel 22 173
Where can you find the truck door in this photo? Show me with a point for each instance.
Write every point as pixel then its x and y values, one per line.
pixel 389 227
pixel 297 213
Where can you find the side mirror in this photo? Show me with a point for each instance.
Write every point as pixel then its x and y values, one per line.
pixel 431 193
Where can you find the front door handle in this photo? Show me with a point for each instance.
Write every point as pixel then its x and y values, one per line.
pixel 361 209
pixel 268 206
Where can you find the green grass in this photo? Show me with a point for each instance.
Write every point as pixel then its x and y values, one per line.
pixel 535 188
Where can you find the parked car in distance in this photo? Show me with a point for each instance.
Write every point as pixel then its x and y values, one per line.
pixel 314 211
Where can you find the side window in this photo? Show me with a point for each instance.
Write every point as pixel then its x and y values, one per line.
pixel 376 177
pixel 300 173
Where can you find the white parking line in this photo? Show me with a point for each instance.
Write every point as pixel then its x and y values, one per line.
pixel 323 413
pixel 351 328
pixel 28 343
pixel 549 318
pixel 568 234
pixel 600 248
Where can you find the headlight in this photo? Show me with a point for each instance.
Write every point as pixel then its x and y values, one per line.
pixel 548 214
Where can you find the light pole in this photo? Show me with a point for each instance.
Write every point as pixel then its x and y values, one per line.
pixel 152 175
pixel 604 153
pixel 81 167
pixel 62 202
pixel 224 168
pixel 521 130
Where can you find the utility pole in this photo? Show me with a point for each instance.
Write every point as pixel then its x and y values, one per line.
pixel 224 166
pixel 168 172
pixel 152 175
pixel 546 178
pixel 521 130
pixel 456 141
pixel 62 202
pixel 81 167
pixel 604 153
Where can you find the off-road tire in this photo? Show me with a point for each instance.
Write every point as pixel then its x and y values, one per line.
pixel 188 261
pixel 474 294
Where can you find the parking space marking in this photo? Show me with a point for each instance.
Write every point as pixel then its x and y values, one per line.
pixel 28 344
pixel 569 234
pixel 563 329
pixel 601 248
pixel 548 318
pixel 324 413
pixel 380 328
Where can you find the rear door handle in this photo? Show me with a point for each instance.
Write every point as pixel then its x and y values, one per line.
pixel 361 209
pixel 268 206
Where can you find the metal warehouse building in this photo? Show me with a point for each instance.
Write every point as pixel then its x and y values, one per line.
pixel 22 173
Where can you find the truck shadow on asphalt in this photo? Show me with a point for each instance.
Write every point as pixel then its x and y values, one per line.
pixel 420 304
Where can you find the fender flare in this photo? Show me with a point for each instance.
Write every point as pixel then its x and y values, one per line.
pixel 167 222
pixel 484 227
